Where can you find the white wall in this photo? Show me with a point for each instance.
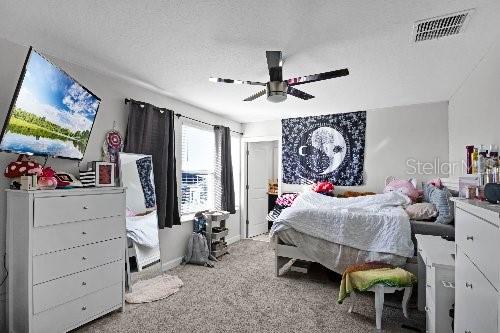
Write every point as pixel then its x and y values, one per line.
pixel 393 137
pixel 474 111
pixel 112 92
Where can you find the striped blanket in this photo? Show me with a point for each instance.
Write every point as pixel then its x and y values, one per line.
pixel 364 276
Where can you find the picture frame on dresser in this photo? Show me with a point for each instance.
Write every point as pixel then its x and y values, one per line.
pixel 66 253
pixel 104 174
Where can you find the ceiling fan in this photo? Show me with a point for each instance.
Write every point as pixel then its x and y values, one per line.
pixel 277 89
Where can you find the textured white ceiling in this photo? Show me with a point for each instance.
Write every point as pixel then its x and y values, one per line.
pixel 174 46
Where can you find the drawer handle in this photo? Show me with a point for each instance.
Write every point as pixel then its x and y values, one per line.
pixel 84 232
pixel 471 238
pixel 84 308
pixel 84 258
pixel 468 285
pixel 84 283
pixel 85 207
pixel 468 332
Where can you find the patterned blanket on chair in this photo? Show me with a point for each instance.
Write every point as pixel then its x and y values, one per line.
pixel 364 276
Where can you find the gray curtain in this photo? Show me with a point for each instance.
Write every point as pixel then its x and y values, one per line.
pixel 224 182
pixel 150 130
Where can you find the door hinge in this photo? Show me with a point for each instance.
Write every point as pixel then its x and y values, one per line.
pixel 247 187
pixel 248 222
pixel 248 152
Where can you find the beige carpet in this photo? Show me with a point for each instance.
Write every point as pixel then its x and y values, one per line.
pixel 241 294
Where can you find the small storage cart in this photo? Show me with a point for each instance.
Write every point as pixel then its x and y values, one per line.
pixel 216 232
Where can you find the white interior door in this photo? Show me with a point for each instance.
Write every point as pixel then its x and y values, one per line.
pixel 258 168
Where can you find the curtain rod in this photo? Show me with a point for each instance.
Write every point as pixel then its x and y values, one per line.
pixel 178 115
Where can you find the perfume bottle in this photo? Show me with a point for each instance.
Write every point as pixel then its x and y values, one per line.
pixel 469 150
pixel 475 155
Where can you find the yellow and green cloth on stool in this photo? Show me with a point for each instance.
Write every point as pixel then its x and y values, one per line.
pixel 362 277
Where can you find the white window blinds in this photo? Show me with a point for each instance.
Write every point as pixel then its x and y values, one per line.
pixel 197 183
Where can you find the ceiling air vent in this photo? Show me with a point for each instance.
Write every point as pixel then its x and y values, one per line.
pixel 441 26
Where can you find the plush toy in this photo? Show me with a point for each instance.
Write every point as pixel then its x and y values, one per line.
pixel 324 187
pixel 436 182
pixel 22 167
pixel 47 180
pixel 406 187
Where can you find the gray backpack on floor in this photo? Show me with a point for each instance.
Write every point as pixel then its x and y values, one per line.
pixel 197 250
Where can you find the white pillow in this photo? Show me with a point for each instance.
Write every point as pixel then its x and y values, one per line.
pixel 422 211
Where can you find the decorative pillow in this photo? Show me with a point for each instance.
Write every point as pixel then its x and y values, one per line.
pixel 441 199
pixel 422 211
pixel 406 187
pixel 352 194
pixel 286 200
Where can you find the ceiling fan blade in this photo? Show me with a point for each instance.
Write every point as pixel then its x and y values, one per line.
pixel 317 77
pixel 255 96
pixel 299 93
pixel 217 79
pixel 275 65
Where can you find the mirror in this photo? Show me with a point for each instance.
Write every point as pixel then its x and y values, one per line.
pixel 136 174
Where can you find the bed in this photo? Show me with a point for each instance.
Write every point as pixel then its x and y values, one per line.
pixel 339 232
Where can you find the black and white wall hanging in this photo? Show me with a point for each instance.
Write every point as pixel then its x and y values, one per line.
pixel 329 147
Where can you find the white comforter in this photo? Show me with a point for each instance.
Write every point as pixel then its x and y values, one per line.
pixel 370 223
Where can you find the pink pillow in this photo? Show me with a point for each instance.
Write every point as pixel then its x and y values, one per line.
pixel 406 187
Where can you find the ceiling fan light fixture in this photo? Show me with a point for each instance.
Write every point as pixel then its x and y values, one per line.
pixel 276 91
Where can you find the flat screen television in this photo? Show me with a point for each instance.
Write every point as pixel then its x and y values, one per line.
pixel 51 114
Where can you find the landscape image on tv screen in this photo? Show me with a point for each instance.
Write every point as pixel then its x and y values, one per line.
pixel 52 115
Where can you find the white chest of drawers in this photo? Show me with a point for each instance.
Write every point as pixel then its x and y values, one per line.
pixel 65 255
pixel 477 238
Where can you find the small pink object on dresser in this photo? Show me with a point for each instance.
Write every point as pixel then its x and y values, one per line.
pixel 47 181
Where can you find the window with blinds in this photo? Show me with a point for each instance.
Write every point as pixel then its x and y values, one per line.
pixel 198 161
pixel 236 159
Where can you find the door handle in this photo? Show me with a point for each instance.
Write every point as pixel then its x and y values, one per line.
pixel 471 238
pixel 468 285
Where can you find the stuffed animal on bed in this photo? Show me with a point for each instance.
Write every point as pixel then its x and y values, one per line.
pixel 406 187
pixel 323 187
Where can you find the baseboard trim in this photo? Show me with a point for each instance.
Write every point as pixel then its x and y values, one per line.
pixel 165 266
pixel 233 239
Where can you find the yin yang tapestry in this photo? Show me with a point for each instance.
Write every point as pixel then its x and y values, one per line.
pixel 328 147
